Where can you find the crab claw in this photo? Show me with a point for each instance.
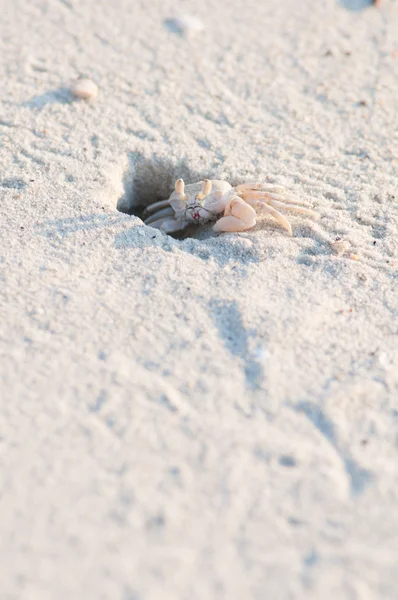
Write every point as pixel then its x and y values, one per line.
pixel 206 189
pixel 179 188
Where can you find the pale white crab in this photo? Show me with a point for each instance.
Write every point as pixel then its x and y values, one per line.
pixel 213 200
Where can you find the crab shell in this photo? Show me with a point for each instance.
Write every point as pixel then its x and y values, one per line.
pixel 195 209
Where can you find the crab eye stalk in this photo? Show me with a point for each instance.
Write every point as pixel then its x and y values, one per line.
pixel 206 189
pixel 179 188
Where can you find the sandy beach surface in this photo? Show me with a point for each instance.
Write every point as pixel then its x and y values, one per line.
pixel 213 418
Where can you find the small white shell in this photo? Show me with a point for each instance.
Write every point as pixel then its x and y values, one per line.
pixel 340 246
pixel 85 89
pixel 190 23
pixel 186 24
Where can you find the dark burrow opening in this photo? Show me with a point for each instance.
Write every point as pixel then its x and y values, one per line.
pixel 149 179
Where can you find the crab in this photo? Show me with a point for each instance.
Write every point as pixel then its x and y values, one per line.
pixel 233 208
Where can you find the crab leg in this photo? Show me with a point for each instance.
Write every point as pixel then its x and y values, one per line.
pixel 173 226
pixel 156 224
pixel 259 185
pixel 157 205
pixel 277 216
pixel 293 207
pixel 168 225
pixel 166 212
pixel 268 195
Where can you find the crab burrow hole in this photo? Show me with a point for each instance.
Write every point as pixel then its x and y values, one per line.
pixel 148 179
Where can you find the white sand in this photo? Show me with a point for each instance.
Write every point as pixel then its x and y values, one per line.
pixel 215 418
